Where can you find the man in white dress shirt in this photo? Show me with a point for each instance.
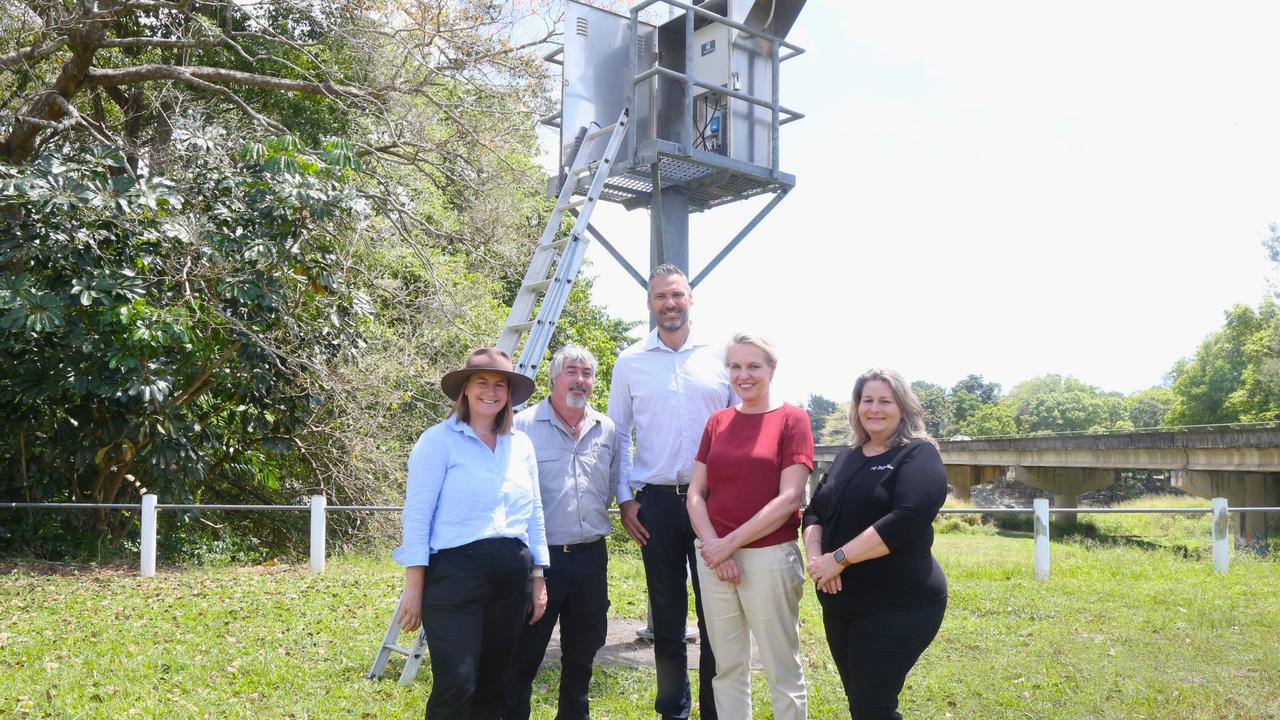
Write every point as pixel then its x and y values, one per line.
pixel 665 387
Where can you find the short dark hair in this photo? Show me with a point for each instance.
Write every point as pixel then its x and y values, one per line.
pixel 667 270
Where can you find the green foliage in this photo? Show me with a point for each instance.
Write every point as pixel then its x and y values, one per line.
pixel 970 394
pixel 939 409
pixel 1054 403
pixel 836 429
pixel 163 332
pixel 587 325
pixel 1148 408
pixel 819 408
pixel 1235 373
pixel 990 420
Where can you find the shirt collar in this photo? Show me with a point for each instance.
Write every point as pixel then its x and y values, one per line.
pixel 695 340
pixel 456 425
pixel 544 411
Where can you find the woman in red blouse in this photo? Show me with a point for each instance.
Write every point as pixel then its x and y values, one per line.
pixel 744 504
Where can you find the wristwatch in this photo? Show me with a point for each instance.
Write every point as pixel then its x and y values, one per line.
pixel 538 571
pixel 840 557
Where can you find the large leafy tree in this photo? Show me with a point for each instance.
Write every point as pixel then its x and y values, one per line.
pixel 164 332
pixel 123 70
pixel 1233 376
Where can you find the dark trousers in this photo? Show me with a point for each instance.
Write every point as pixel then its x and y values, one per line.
pixel 874 651
pixel 475 600
pixel 668 556
pixel 578 595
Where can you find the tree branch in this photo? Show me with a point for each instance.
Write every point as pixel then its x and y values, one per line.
pixel 224 76
pixel 34 52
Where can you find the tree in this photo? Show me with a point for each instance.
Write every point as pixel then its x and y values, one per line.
pixel 938 412
pixel 1148 408
pixel 819 408
pixel 1233 375
pixel 836 429
pixel 990 420
pixel 121 71
pixel 163 333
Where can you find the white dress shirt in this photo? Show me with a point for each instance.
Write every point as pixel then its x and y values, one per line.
pixel 667 396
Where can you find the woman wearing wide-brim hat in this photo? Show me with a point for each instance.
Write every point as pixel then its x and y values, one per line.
pixel 474 546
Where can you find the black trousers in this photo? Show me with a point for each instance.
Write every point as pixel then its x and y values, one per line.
pixel 475 600
pixel 577 595
pixel 668 556
pixel 874 651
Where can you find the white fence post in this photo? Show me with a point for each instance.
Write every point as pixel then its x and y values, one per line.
pixel 148 540
pixel 1221 536
pixel 1041 506
pixel 317 533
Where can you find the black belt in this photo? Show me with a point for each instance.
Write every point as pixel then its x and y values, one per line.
pixel 578 547
pixel 681 489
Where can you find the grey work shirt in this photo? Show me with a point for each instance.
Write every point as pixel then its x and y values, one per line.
pixel 578 480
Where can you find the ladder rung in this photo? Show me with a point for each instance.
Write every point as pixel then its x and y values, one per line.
pixel 398 649
pixel 540 286
pixel 602 131
pixel 576 202
pixel 580 170
pixel 520 327
pixel 557 244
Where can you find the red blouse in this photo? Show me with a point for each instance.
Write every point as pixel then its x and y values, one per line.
pixel 745 455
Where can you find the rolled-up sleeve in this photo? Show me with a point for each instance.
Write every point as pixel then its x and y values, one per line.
pixel 428 462
pixel 919 493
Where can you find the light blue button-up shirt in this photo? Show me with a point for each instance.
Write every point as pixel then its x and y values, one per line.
pixel 460 491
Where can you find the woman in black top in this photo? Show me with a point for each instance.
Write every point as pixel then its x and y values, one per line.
pixel 868 533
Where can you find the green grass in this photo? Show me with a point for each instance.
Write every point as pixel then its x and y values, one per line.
pixel 1117 632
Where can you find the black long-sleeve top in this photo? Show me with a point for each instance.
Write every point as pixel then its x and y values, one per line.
pixel 901 505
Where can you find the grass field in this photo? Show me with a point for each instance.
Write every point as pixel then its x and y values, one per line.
pixel 1117 632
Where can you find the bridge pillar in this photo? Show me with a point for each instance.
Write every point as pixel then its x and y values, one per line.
pixel 1241 489
pixel 963 477
pixel 1066 484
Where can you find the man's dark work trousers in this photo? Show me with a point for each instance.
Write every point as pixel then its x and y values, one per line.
pixel 475 600
pixel 577 594
pixel 668 556
pixel 874 651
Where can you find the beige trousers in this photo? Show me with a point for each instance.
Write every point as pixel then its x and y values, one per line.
pixel 766 606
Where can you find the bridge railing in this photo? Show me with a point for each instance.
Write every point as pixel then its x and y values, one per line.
pixel 319 509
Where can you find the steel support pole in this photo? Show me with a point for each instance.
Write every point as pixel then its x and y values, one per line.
pixel 669 228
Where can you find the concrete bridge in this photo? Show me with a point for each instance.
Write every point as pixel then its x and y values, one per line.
pixel 1240 464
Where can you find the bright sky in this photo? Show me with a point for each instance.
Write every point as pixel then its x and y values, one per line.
pixel 1003 188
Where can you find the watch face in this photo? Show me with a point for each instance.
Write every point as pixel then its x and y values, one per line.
pixel 839 555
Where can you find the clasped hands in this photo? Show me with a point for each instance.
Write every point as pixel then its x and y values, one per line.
pixel 825 571
pixel 718 555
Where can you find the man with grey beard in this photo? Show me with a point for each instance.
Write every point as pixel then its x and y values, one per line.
pixel 578 463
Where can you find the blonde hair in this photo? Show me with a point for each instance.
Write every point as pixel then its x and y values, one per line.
pixel 766 347
pixel 462 409
pixel 910 426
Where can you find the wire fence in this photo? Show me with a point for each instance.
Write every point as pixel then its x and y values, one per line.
pixel 319 509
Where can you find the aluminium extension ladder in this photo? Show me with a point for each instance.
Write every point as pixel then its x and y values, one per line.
pixel 564 254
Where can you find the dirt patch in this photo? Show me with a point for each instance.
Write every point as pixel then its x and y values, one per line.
pixel 623 647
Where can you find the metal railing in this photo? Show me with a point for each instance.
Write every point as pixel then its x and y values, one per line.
pixel 319 509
